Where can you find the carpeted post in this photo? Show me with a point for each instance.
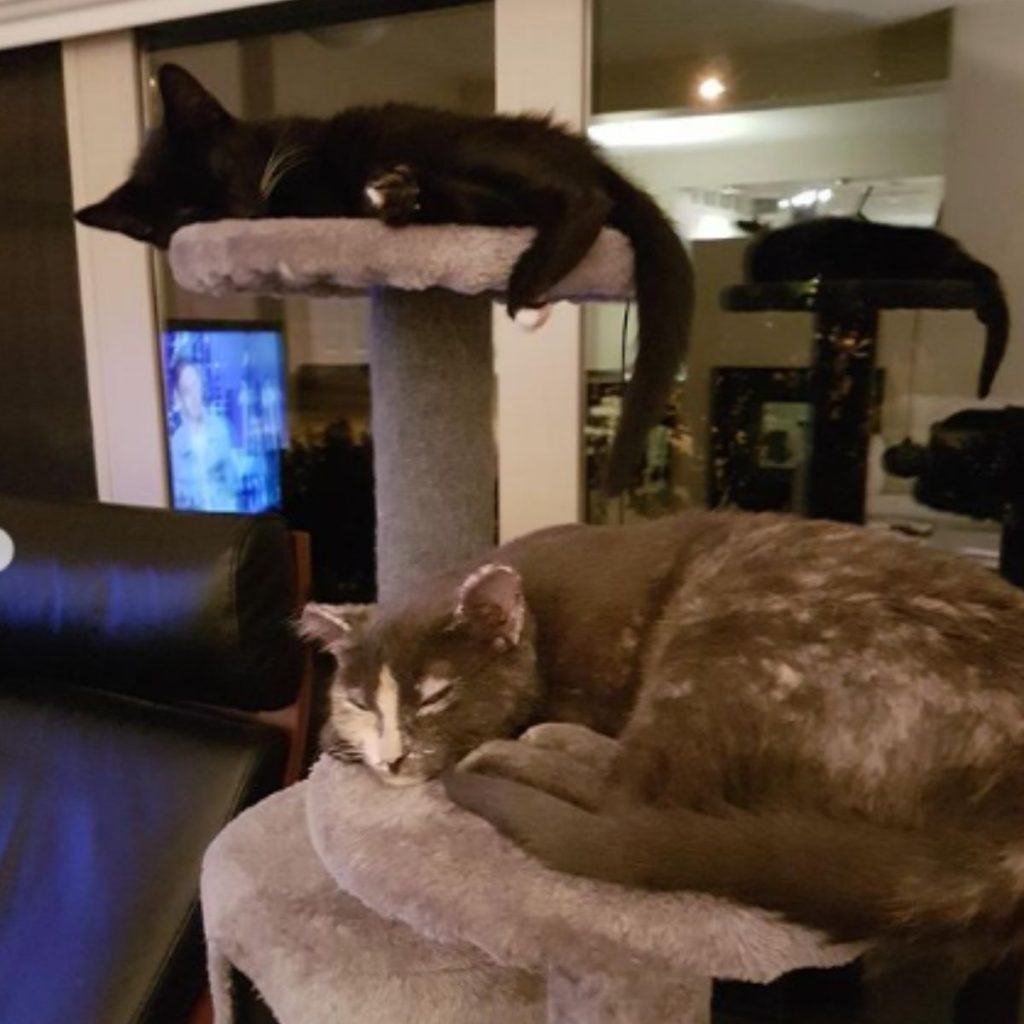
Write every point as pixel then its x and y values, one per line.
pixel 432 388
pixel 218 969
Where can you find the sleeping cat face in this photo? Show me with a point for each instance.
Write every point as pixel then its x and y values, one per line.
pixel 417 688
pixel 201 164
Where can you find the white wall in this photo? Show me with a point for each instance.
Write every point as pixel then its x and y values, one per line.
pixel 985 156
pixel 543 64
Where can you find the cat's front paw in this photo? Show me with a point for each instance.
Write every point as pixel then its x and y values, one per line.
pixel 393 196
pixel 552 771
pixel 593 749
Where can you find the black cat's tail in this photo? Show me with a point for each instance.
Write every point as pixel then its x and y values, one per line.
pixel 664 297
pixel 994 314
pixel 851 879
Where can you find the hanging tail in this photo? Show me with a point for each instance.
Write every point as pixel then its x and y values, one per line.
pixel 853 880
pixel 664 297
pixel 993 313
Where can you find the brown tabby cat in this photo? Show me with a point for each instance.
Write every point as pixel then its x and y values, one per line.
pixel 808 717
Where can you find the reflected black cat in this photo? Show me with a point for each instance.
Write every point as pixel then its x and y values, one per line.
pixel 855 249
pixel 407 164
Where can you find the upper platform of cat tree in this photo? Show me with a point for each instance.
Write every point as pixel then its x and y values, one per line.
pixel 342 257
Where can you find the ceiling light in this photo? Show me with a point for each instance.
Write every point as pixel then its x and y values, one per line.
pixel 711 88
pixel 807 198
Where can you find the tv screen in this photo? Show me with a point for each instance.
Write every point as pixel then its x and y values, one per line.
pixel 225 415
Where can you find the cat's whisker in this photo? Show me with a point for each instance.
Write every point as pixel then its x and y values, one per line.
pixel 282 161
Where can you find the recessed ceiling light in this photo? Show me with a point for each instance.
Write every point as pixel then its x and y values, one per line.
pixel 711 88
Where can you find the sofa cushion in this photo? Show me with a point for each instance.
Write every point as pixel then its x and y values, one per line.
pixel 106 806
pixel 167 606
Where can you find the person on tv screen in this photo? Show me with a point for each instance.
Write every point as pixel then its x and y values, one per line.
pixel 202 459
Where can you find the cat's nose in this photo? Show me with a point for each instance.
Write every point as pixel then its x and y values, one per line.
pixel 395 766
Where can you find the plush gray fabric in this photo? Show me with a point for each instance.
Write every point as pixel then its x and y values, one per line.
pixel 413 856
pixel 328 257
pixel 318 956
pixel 410 909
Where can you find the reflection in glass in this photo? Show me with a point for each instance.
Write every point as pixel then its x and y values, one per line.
pixel 823 110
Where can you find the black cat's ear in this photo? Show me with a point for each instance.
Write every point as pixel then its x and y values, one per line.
pixel 333 627
pixel 188 107
pixel 491 605
pixel 122 211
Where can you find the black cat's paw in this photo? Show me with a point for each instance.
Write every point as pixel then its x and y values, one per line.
pixel 527 305
pixel 393 196
pixel 531 318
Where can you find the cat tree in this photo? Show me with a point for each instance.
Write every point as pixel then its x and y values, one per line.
pixel 343 899
pixel 431 358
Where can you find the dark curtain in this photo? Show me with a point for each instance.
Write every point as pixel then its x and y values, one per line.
pixel 45 432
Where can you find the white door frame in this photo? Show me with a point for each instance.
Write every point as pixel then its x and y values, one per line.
pixel 102 84
pixel 543 56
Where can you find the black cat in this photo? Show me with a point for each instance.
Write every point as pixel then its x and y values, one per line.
pixel 852 248
pixel 406 164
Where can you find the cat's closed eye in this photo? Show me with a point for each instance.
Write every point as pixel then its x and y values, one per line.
pixel 356 700
pixel 433 693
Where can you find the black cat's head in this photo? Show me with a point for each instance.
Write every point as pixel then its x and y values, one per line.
pixel 201 164
pixel 419 686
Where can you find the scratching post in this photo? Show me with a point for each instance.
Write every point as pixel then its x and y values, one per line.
pixel 432 388
pixel 431 360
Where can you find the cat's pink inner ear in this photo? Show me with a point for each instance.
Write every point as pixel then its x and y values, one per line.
pixel 491 603
pixel 333 626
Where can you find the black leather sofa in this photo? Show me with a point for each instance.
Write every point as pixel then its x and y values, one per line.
pixel 130 642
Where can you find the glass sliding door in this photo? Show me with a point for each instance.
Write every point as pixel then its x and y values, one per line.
pixel 748 115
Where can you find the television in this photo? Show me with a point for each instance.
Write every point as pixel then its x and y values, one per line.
pixel 224 386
